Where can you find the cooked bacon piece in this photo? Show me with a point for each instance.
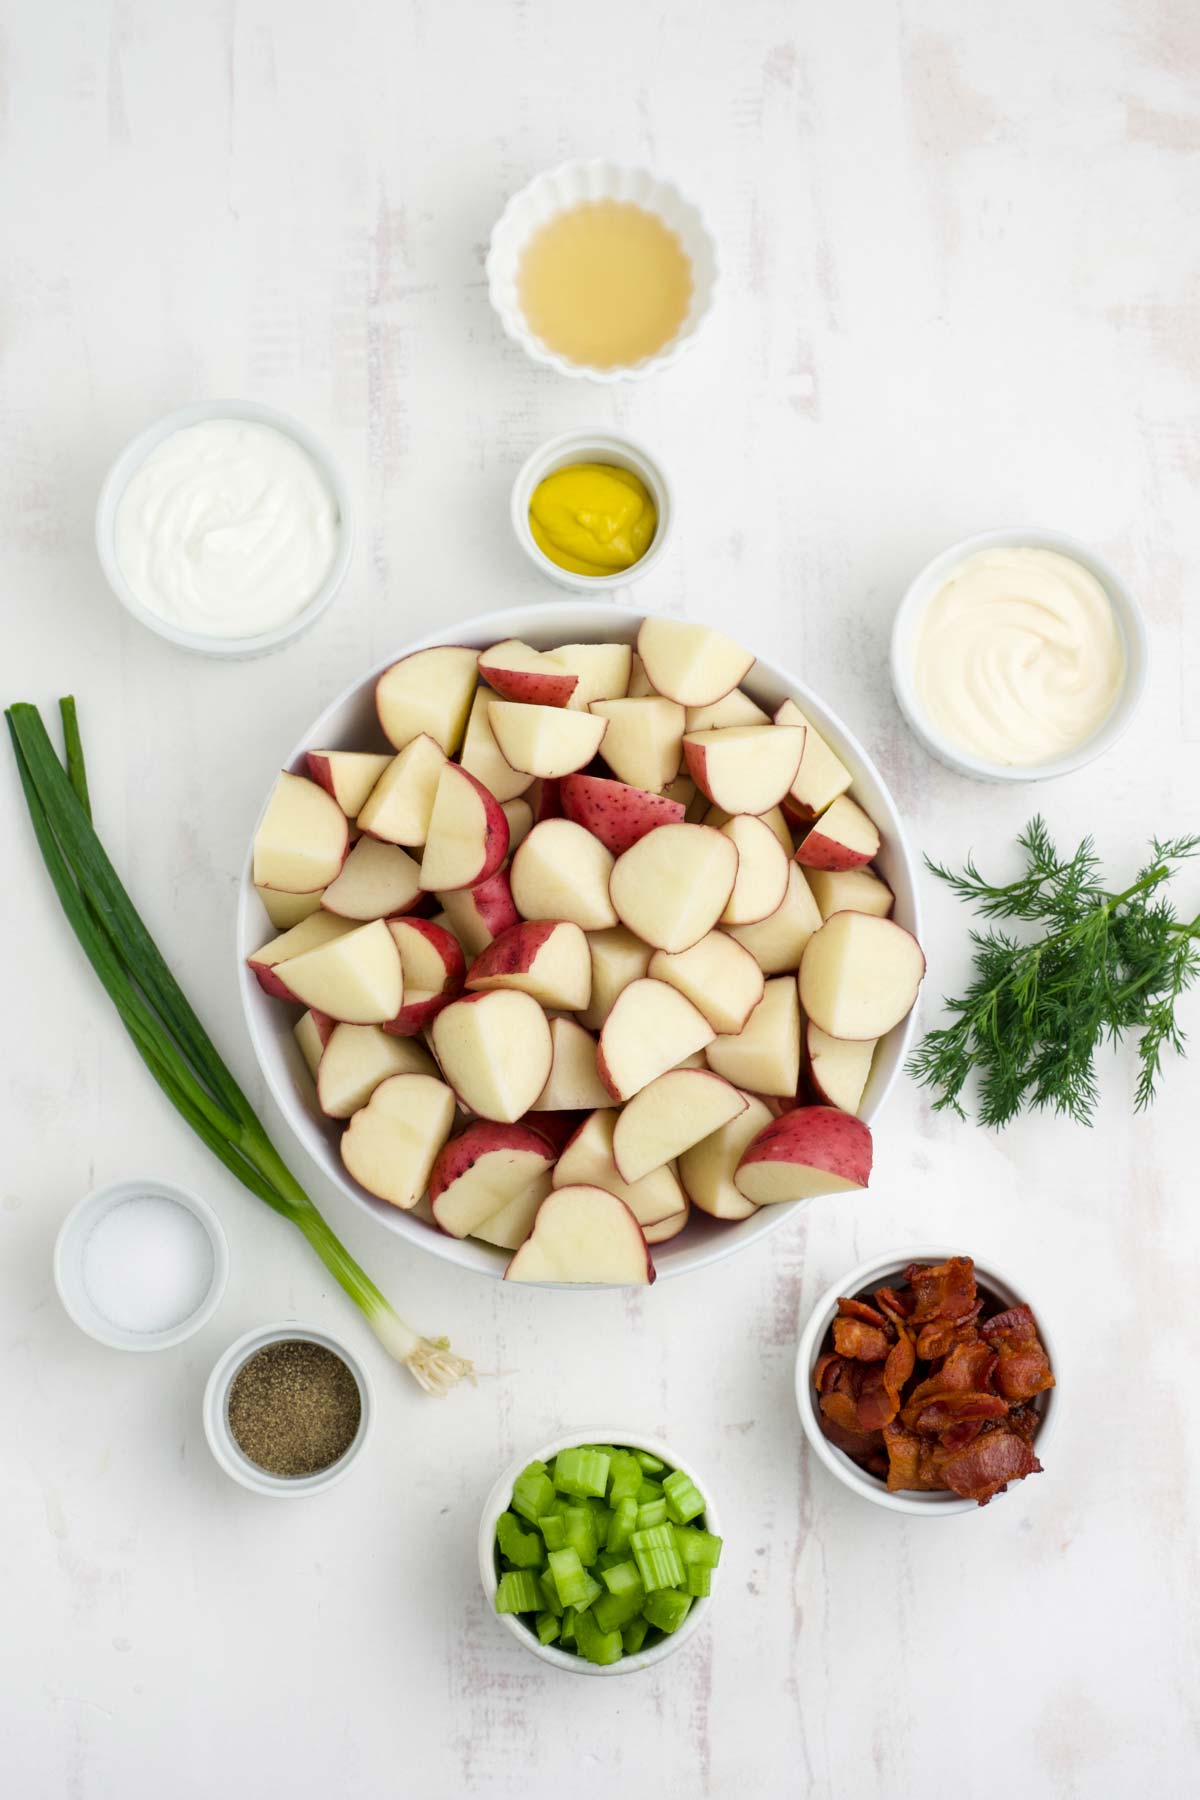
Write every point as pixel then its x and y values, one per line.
pixel 987 1466
pixel 896 1303
pixel 858 1309
pixel 1024 1366
pixel 865 1343
pixel 825 1372
pixel 942 1290
pixel 904 1459
pixel 940 1336
pixel 957 1437
pixel 901 1361
pixel 931 1417
pixel 968 1368
pixel 876 1405
pixel 1024 1421
pixel 841 1410
pixel 862 1445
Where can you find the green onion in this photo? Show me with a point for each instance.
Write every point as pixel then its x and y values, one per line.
pixel 168 1034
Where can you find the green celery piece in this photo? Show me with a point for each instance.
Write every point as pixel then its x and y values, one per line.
pixel 634 1636
pixel 602 1516
pixel 532 1493
pixel 553 1528
pixel 654 1513
pixel 612 1611
pixel 547 1628
pixel 697 1546
pixel 534 1468
pixel 592 1591
pixel 650 1464
pixel 648 1492
pixel 566 1628
pixel 654 1537
pixel 621 1578
pixel 624 1523
pixel 608 1559
pixel 625 1477
pixel 698 1581
pixel 582 1472
pixel 522 1548
pixel 550 1599
pixel 667 1611
pixel 570 1579
pixel 658 1561
pixel 684 1499
pixel 581 1536
pixel 595 1645
pixel 518 1592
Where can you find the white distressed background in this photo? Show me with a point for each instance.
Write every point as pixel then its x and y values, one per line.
pixel 961 263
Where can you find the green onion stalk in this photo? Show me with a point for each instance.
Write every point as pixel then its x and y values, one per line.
pixel 167 1033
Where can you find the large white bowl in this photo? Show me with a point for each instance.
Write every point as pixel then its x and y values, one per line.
pixel 351 723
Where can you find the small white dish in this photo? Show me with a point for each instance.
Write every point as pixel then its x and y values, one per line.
pixel 71 1244
pixel 225 1447
pixel 1130 621
pixel 572 184
pixel 600 447
pixel 882 1272
pixel 498 1502
pixel 136 452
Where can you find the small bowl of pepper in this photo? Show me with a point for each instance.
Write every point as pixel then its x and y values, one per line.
pixel 287 1411
pixel 592 510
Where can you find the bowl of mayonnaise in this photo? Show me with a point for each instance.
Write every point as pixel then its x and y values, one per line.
pixel 1018 655
pixel 226 527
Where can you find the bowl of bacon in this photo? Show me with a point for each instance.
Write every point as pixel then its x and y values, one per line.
pixel 926 1382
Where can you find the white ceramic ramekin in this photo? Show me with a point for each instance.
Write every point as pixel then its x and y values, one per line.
pixel 136 452
pixel 225 1446
pixel 905 629
pixel 73 1235
pixel 498 1502
pixel 886 1271
pixel 601 447
pixel 571 184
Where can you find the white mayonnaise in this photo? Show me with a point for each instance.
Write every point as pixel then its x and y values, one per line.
pixel 1018 656
pixel 227 529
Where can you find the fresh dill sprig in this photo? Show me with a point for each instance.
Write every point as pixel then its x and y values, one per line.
pixel 1036 1012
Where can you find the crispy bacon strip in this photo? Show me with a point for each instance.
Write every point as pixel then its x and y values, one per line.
pixel 895 1303
pixel 985 1467
pixel 930 1418
pixel 940 1336
pixel 859 1309
pixel 942 1290
pixel 861 1445
pixel 1024 1367
pixel 968 1368
pixel 864 1343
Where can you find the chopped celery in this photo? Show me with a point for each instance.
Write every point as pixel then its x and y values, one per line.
pixel 625 1477
pixel 666 1610
pixel 566 1627
pixel 649 1463
pixel 612 1611
pixel 553 1528
pixel 634 1636
pixel 547 1628
pixel 532 1493
pixel 697 1546
pixel 518 1591
pixel 569 1578
pixel 580 1527
pixel 621 1578
pixel 648 1491
pixel 653 1513
pixel 596 1645
pixel 550 1599
pixel 623 1525
pixel 684 1499
pixel 699 1580
pixel 522 1548
pixel 657 1559
pixel 592 1591
pixel 581 1471
pixel 603 1518
pixel 608 1559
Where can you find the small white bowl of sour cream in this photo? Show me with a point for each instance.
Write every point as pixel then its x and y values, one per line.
pixel 226 527
pixel 1018 655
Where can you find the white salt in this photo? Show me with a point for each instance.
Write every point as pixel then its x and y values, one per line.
pixel 147 1264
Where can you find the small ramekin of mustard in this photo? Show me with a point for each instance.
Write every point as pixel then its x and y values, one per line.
pixel 592 509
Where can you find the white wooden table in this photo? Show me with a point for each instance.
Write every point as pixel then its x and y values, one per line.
pixel 960 290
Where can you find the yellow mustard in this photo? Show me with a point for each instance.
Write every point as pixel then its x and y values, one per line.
pixel 592 519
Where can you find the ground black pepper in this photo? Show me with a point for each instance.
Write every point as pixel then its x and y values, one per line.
pixel 294 1408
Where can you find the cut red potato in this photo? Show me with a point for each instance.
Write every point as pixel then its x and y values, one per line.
pixel 588 1158
pixel 670 1115
pixel 545 801
pixel 842 838
pixel 312 1031
pixel 850 890
pixel 356 1059
pixel 572 1084
pixel 777 943
pixel 562 872
pixel 707 1169
pixel 821 777
pixel 468 834
pixel 547 741
pixel 390 1145
pixel 644 741
pixel 508 1228
pixel 302 841
pixel 762 872
pixel 672 886
pixel 480 913
pixel 602 671
pixel 734 708
pixel 520 821
pixel 583 1234
pixel 534 677
pixel 859 975
pixel 398 807
pixel 356 977
pixel 495 1051
pixel 810 1150
pixel 286 910
pixel 377 881
pixel 684 790
pixel 428 692
pixel 558 1128
pixel 615 812
pixel 650 1029
pixel 317 929
pixel 640 686
pixel 481 1172
pixel 349 775
pixel 666 1228
pixel 716 816
pixel 719 977
pixel 618 957
pixel 692 664
pixel 482 756
pixel 744 768
pixel 548 958
pixel 837 1067
pixel 434 969
pixel 764 1057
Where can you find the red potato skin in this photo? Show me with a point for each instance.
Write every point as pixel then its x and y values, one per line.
pixel 820 1137
pixel 695 760
pixel 270 983
pixel 606 1079
pixel 493 902
pixel 818 850
pixel 558 1128
pixel 495 826
pixel 545 798
pixel 531 686
pixel 615 812
pixel 482 1138
pixel 325 1025
pixel 319 771
pixel 412 1019
pixel 514 951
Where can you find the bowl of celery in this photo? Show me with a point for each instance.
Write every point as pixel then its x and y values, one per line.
pixel 598 1553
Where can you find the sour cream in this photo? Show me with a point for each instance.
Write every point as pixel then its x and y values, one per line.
pixel 227 529
pixel 1018 656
